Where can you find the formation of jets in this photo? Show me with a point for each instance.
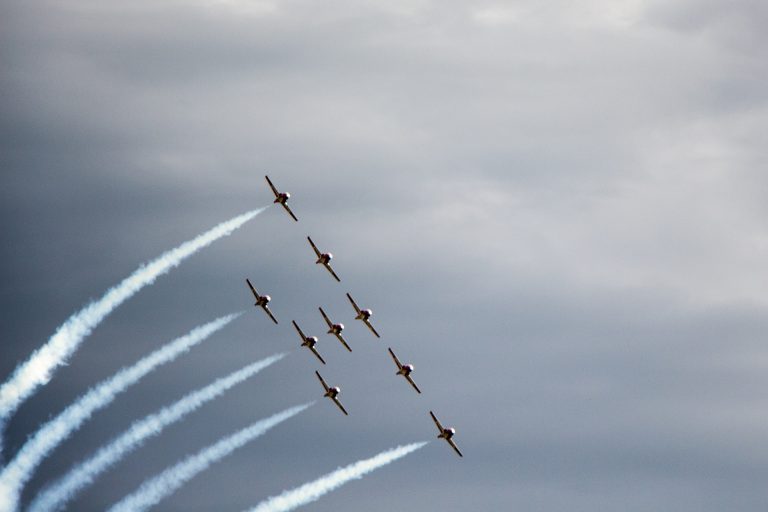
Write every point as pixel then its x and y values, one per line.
pixel 335 329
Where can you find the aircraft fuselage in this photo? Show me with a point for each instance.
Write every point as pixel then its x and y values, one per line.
pixel 406 370
pixel 447 433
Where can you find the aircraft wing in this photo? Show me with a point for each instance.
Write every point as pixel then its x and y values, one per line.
pixel 298 329
pixel 317 354
pixel 434 418
pixel 290 212
pixel 357 309
pixel 368 323
pixel 395 359
pixel 274 190
pixel 328 266
pixel 253 290
pixel 266 308
pixel 409 379
pixel 327 320
pixel 336 401
pixel 453 445
pixel 343 342
pixel 321 380
pixel 317 251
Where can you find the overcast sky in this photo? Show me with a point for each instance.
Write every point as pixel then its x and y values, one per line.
pixel 557 210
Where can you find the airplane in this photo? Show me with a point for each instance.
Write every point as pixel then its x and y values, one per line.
pixel 281 198
pixel 324 258
pixel 335 329
pixel 404 370
pixel 445 433
pixel 332 393
pixel 364 315
pixel 308 341
pixel 261 300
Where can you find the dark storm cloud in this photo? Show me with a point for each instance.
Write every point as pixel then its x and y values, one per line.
pixel 556 211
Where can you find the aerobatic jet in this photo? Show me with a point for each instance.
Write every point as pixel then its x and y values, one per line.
pixel 404 370
pixel 281 198
pixel 324 259
pixel 332 393
pixel 364 315
pixel 445 433
pixel 308 341
pixel 335 329
pixel 261 300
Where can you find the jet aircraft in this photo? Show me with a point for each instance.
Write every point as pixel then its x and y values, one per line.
pixel 404 370
pixel 364 315
pixel 308 341
pixel 261 300
pixel 332 393
pixel 281 198
pixel 324 259
pixel 445 433
pixel 335 329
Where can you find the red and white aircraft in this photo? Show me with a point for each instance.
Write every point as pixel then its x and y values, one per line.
pixel 445 433
pixel 335 329
pixel 281 198
pixel 308 341
pixel 261 300
pixel 404 370
pixel 332 393
pixel 364 315
pixel 324 259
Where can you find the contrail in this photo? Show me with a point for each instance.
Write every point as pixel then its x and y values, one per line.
pixel 37 370
pixel 307 493
pixel 63 490
pixel 20 469
pixel 154 490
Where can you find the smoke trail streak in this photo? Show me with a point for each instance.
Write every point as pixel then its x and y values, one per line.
pixel 83 475
pixel 20 469
pixel 37 370
pixel 307 493
pixel 154 490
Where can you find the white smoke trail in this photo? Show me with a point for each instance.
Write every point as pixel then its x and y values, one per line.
pixel 83 475
pixel 37 370
pixel 307 493
pixel 20 469
pixel 154 490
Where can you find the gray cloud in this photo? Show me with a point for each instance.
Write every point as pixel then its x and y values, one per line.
pixel 556 211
